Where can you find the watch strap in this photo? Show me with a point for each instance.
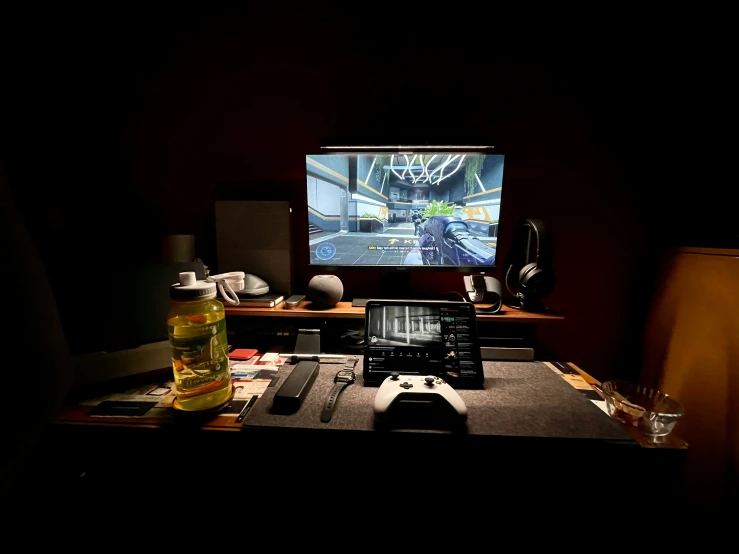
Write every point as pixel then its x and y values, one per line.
pixel 476 287
pixel 477 295
pixel 331 401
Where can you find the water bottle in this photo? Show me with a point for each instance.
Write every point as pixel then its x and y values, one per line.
pixel 197 336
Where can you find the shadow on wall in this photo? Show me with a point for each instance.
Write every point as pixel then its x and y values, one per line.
pixel 42 362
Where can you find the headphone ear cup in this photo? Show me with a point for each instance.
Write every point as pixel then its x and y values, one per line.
pixel 525 274
pixel 540 283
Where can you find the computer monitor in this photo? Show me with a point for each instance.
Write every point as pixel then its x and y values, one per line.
pixel 404 210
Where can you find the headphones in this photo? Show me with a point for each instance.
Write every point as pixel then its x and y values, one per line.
pixel 533 280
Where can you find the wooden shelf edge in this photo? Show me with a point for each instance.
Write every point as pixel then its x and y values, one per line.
pixel 346 310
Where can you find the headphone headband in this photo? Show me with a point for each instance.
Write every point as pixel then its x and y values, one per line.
pixel 543 243
pixel 533 279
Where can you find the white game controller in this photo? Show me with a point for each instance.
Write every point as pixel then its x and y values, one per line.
pixel 397 389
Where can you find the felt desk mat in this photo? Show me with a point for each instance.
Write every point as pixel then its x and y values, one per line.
pixel 525 399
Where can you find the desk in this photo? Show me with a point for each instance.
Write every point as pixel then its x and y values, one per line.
pixel 302 458
pixel 79 415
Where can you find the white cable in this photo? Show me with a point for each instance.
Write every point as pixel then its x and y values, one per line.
pixel 236 278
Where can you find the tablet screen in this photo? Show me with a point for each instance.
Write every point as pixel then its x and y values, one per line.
pixel 422 338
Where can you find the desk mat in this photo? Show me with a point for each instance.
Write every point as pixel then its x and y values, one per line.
pixel 523 399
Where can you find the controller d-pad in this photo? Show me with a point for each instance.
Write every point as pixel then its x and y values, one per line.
pixel 406 386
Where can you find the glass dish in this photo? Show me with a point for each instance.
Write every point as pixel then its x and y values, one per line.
pixel 653 412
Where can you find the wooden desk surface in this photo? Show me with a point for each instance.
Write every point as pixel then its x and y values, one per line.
pixel 346 310
pixel 80 415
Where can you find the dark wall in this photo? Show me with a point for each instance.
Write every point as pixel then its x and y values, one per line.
pixel 115 133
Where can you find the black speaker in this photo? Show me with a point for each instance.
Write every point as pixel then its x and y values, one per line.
pixel 530 281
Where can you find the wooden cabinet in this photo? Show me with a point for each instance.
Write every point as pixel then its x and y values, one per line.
pixel 692 353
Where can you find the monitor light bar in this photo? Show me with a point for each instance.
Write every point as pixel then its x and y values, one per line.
pixel 426 147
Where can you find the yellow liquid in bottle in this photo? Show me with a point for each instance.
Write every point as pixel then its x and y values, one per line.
pixel 200 359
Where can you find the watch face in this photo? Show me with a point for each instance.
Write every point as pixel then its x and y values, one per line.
pixel 345 375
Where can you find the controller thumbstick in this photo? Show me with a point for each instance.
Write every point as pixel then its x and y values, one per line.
pixel 394 375
pixel 429 381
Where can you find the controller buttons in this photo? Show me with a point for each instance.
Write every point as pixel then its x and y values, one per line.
pixel 406 386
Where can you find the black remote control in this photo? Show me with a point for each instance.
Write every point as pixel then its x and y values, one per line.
pixel 289 397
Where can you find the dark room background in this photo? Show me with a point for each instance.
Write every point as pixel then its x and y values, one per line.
pixel 118 130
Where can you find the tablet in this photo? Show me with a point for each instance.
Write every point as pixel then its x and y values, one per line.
pixel 422 337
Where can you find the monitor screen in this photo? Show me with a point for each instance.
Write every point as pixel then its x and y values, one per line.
pixel 404 210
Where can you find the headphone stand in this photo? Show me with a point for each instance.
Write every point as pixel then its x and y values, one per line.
pixel 533 306
pixel 529 281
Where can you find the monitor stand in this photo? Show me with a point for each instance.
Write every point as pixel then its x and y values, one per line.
pixel 394 285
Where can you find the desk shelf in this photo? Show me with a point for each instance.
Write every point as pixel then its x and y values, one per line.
pixel 345 310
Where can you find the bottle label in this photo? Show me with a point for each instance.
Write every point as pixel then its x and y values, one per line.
pixel 199 357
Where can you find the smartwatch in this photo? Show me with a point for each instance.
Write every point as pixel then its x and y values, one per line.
pixel 483 288
pixel 477 294
pixel 342 379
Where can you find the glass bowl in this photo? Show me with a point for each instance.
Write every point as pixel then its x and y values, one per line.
pixel 653 412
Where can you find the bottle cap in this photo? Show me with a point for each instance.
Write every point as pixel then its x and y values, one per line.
pixel 189 288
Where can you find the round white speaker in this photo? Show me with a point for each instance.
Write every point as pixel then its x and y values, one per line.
pixel 325 291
